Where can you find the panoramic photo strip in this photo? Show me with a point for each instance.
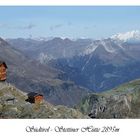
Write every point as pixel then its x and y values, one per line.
pixel 69 62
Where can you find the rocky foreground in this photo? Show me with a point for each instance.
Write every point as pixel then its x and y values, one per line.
pixel 121 102
pixel 13 105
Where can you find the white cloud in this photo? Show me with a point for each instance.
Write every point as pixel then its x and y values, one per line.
pixel 28 27
pixel 24 27
pixel 56 26
pixel 2 25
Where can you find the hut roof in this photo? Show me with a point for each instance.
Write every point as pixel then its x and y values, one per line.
pixel 2 62
pixel 33 94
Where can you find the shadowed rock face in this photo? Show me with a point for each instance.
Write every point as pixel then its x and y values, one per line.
pixel 121 102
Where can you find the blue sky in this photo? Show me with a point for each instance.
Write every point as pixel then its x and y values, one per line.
pixel 68 21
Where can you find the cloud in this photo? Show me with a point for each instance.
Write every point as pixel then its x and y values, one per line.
pixel 3 25
pixel 69 23
pixel 86 28
pixel 89 27
pixel 57 26
pixel 26 27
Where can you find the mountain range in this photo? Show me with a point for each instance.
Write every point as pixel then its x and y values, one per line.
pixel 97 65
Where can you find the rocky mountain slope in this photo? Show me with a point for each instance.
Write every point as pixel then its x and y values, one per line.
pixel 120 102
pixel 13 105
pixel 29 75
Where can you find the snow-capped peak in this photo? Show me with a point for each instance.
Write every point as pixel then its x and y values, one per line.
pixel 107 44
pixel 132 36
pixel 42 38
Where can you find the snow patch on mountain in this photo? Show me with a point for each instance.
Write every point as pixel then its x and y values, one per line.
pixel 131 37
pixel 42 38
pixel 89 49
pixel 43 58
pixel 92 47
pixel 108 48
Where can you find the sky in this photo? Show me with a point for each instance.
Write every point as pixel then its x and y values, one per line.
pixel 94 22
